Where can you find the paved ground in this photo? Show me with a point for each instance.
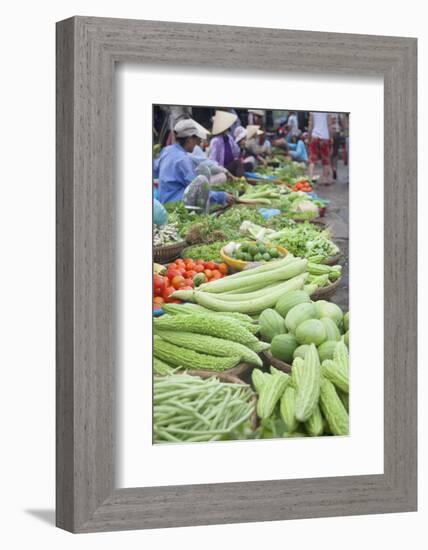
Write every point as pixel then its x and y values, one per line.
pixel 337 216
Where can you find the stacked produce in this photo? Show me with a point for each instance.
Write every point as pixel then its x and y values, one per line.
pixel 301 239
pixel 185 275
pixel 289 172
pixel 249 251
pixel 191 337
pixel 297 322
pixel 189 408
pixel 313 401
pixel 165 234
pixel 254 290
pixel 303 185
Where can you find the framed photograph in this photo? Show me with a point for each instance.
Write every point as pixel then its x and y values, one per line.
pixel 236 274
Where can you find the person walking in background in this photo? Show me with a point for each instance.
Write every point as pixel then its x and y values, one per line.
pixel 292 125
pixel 338 138
pixel 319 134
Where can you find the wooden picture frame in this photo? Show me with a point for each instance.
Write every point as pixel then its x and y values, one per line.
pixel 87 50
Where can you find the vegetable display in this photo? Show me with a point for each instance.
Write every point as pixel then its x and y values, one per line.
pixel 242 301
pixel 255 252
pixel 310 402
pixel 165 234
pixel 192 409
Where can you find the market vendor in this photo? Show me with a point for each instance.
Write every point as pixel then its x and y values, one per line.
pixel 241 135
pixel 174 167
pixel 223 147
pixel 259 145
pixel 297 149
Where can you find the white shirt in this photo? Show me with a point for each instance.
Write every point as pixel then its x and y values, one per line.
pixel 320 125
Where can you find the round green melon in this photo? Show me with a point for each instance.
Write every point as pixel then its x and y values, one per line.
pixel 311 331
pixel 283 346
pixel 291 299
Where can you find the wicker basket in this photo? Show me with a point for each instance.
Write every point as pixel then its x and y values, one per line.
pixel 269 359
pixel 333 260
pixel 168 252
pixel 326 292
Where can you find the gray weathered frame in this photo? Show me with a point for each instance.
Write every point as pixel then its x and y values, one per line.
pixel 87 50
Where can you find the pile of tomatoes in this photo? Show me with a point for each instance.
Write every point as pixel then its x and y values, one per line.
pixel 182 274
pixel 303 185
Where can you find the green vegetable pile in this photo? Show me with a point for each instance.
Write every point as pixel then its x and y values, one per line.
pixel 313 401
pixel 301 239
pixel 256 252
pixel 206 252
pixel 192 409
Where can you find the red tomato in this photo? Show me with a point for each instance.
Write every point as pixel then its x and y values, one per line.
pixel 189 263
pixel 210 265
pixel 216 274
pixel 189 282
pixel 158 300
pixel 179 261
pixel 208 273
pixel 199 268
pixel 178 282
pixel 173 272
pixel 190 274
pixel 168 290
pixel 186 288
pixel 200 262
pixel 158 282
pixel 223 268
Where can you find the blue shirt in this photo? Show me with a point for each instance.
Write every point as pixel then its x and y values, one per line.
pixel 175 170
pixel 298 151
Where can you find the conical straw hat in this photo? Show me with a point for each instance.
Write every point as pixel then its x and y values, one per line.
pixel 252 131
pixel 222 120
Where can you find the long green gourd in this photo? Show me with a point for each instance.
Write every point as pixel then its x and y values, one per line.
pixel 189 359
pixel 212 325
pixel 271 393
pixel 270 266
pixel 249 306
pixel 308 385
pixel 210 345
pixel 286 408
pixel 293 268
pixel 315 423
pixel 333 409
pixel 262 291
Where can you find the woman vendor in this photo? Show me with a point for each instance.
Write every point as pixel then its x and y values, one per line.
pixel 175 169
pixel 223 147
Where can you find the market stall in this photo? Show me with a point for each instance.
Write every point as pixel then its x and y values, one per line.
pixel 247 342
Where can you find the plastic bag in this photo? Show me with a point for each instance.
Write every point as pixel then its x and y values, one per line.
pixel 204 170
pixel 160 215
pixel 197 195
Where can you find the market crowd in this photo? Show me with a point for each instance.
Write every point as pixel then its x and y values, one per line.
pixel 195 159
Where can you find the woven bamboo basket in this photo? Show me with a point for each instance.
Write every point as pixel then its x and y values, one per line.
pixel 326 292
pixel 168 253
pixel 333 260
